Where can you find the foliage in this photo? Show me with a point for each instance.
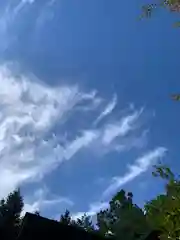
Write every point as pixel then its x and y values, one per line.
pixel 123 219
pixel 163 212
pixel 82 222
pixel 176 97
pixel 66 218
pixel 37 213
pixel 10 214
pixel 170 5
pixel 85 222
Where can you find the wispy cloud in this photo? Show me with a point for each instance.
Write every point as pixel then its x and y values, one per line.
pixel 82 141
pixel 141 165
pixel 121 128
pixel 94 208
pixel 30 144
pixel 108 109
pixel 12 16
pixel 28 1
pixel 46 13
pixel 29 110
pixel 115 136
pixel 30 148
pixel 21 5
pixel 42 199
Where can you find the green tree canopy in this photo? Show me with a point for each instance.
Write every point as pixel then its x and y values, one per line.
pixel 163 212
pixel 123 218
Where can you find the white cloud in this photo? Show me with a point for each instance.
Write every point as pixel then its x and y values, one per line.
pixel 28 1
pixel 110 137
pixel 28 112
pixel 94 208
pixel 82 141
pixel 91 106
pixel 46 14
pixel 12 13
pixel 121 128
pixel 40 201
pixel 51 2
pixel 29 109
pixel 140 166
pixel 21 5
pixel 108 109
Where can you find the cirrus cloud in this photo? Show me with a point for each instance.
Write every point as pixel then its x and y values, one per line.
pixel 29 110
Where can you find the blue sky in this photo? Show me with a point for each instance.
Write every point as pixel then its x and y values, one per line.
pixel 85 102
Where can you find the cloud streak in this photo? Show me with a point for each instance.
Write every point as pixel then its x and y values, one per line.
pixel 121 128
pixel 42 199
pixel 21 5
pixel 140 166
pixel 12 17
pixel 108 109
pixel 31 146
pixel 28 112
pixel 94 208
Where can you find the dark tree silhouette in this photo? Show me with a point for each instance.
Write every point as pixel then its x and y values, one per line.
pixel 10 214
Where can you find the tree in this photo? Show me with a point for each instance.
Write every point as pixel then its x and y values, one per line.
pixel 66 218
pixel 123 219
pixel 163 212
pixel 170 5
pixel 10 214
pixel 82 222
pixel 176 97
pixel 37 213
pixel 85 222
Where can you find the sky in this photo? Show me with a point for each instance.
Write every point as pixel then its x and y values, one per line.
pixel 85 106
